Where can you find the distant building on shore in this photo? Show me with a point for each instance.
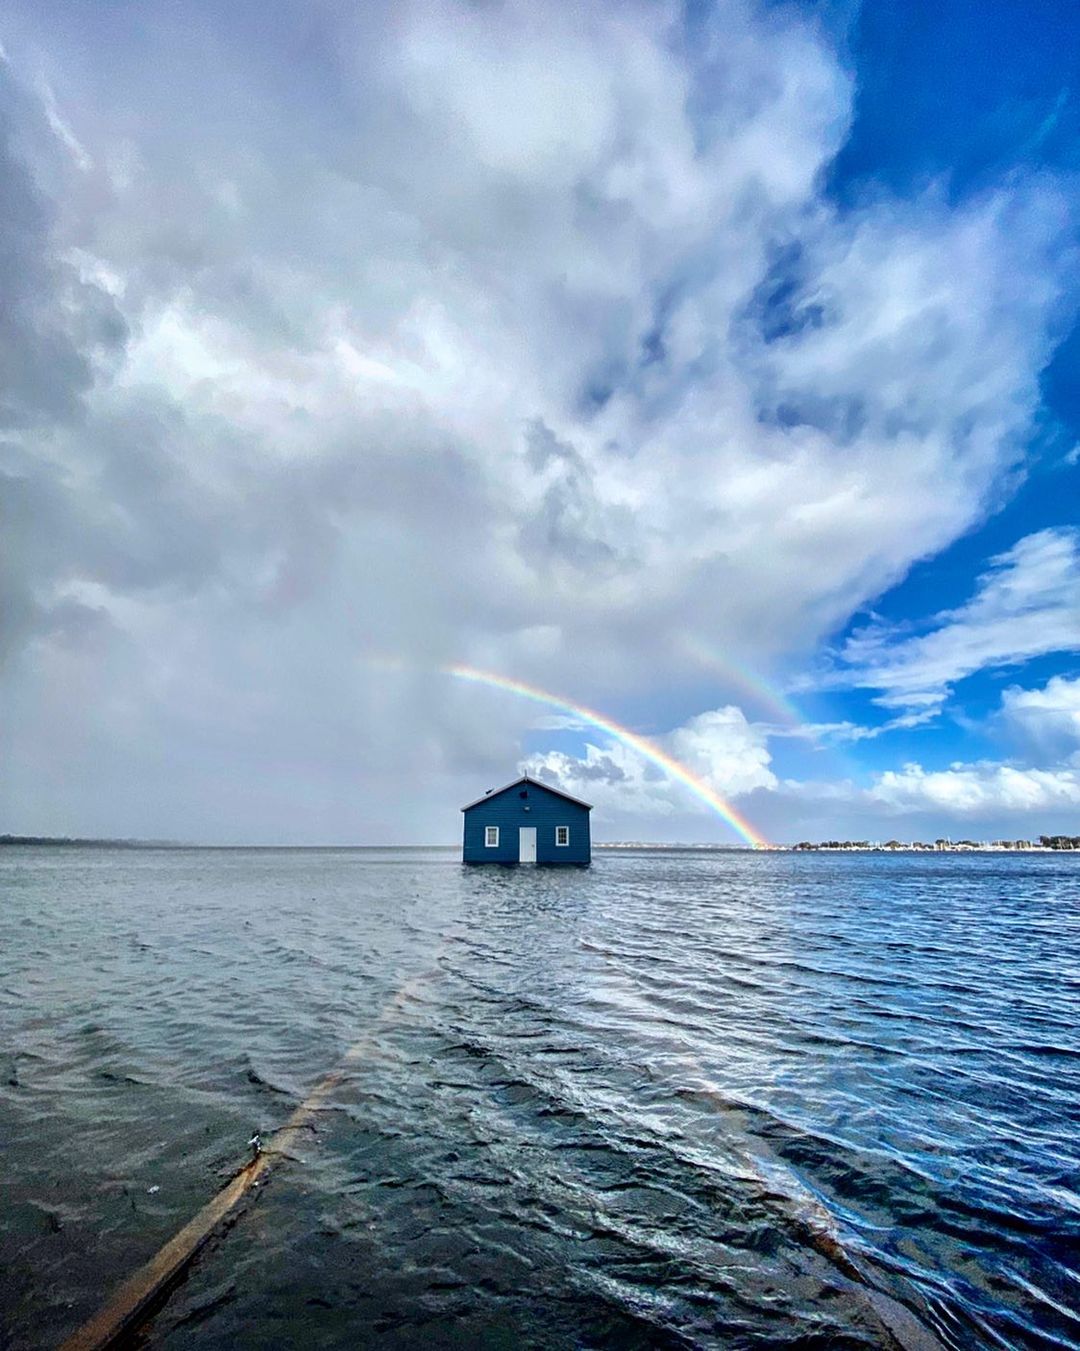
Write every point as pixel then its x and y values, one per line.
pixel 527 822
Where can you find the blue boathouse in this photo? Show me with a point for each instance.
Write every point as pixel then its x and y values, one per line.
pixel 527 822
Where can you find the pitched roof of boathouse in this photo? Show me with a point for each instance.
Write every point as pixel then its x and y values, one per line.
pixel 536 783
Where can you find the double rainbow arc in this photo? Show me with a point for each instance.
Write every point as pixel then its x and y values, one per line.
pixel 763 693
pixel 673 768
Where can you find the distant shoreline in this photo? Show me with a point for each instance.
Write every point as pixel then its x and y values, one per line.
pixel 71 841
pixel 1057 844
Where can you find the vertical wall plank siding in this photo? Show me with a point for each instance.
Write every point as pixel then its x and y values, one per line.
pixel 543 808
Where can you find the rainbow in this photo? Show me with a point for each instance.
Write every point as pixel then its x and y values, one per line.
pixel 673 768
pixel 760 690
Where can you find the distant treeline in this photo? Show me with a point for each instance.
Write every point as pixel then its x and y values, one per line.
pixel 58 840
pixel 1045 842
pixel 888 844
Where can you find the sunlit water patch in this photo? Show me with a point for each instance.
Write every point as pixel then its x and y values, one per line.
pixel 680 1099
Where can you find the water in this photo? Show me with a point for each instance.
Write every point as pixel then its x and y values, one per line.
pixel 676 1100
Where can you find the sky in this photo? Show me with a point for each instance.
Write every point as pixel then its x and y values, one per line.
pixel 707 370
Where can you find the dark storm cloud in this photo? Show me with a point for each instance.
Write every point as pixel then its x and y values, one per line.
pixel 602 769
pixel 569 525
pixel 52 325
pixel 54 328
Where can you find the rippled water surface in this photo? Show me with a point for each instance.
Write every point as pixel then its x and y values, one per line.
pixel 679 1099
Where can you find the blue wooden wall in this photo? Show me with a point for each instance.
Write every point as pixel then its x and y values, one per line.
pixel 541 808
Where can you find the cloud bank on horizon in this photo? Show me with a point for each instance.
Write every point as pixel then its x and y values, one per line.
pixel 615 349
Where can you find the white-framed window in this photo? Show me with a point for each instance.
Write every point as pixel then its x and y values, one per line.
pixel 491 837
pixel 562 835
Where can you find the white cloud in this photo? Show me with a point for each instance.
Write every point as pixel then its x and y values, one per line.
pixel 981 799
pixel 724 750
pixel 1048 718
pixel 521 334
pixel 1026 604
pixel 847 731
pixel 614 779
pixel 977 789
pixel 985 791
pixel 63 132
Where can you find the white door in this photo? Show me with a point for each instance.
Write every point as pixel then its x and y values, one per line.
pixel 526 844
